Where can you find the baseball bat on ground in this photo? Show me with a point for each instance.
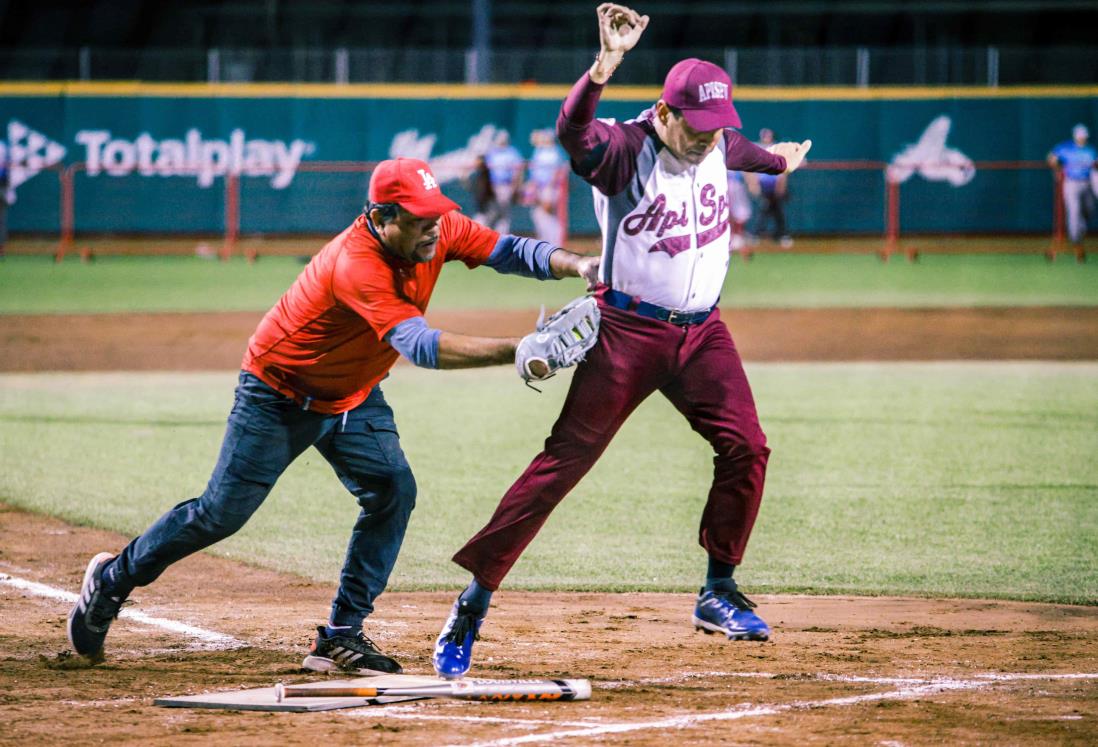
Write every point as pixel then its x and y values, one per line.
pixel 492 690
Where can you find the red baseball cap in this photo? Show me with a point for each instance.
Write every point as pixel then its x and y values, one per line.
pixel 409 183
pixel 703 92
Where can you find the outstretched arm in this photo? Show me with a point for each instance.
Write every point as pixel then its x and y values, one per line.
pixel 465 351
pixel 516 255
pixel 780 158
pixel 566 264
pixel 432 348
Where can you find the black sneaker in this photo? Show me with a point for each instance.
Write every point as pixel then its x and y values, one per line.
pixel 94 611
pixel 353 653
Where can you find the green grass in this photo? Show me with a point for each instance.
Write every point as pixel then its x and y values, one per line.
pixel 35 285
pixel 931 479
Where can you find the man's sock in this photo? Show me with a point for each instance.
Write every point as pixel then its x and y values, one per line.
pixel 476 597
pixel 718 576
pixel 334 630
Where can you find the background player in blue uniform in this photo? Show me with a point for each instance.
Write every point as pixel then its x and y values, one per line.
pixel 771 192
pixel 1076 159
pixel 542 188
pixel 505 168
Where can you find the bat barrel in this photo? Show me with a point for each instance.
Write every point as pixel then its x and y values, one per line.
pixel 518 690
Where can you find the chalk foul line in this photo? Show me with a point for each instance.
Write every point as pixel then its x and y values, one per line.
pixel 749 711
pixel 915 687
pixel 211 639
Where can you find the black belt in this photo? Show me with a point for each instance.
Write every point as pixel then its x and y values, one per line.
pixel 620 300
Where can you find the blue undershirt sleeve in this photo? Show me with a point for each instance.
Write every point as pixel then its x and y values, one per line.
pixel 416 341
pixel 515 255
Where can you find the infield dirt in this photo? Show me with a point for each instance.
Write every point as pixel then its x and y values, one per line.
pixel 848 670
pixel 644 659
pixel 216 341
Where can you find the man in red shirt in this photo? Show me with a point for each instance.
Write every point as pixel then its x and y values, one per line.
pixel 310 378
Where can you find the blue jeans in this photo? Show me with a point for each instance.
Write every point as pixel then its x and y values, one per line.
pixel 265 433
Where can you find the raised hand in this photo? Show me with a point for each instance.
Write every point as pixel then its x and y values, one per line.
pixel 620 29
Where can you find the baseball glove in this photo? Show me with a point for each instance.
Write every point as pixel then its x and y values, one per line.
pixel 558 342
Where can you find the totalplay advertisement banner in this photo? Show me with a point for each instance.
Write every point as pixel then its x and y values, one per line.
pixel 154 159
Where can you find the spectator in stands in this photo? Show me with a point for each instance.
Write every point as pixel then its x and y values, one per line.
pixel 479 184
pixel 771 193
pixel 505 167
pixel 542 190
pixel 1076 160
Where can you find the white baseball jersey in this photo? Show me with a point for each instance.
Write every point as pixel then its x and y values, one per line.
pixel 666 235
pixel 665 222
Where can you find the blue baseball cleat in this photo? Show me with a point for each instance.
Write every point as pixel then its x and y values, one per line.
pixel 454 647
pixel 94 611
pixel 729 612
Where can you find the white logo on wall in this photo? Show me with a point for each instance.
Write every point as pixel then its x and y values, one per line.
pixel 931 159
pixel 447 167
pixel 193 155
pixel 28 152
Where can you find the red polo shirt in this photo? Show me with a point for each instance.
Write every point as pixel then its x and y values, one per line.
pixel 324 339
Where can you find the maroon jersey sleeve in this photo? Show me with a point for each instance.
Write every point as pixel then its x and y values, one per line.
pixel 740 154
pixel 604 155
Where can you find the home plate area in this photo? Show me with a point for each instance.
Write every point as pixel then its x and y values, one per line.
pixel 838 669
pixel 388 690
pixel 329 695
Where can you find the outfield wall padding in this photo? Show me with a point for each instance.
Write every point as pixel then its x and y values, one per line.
pixel 137 140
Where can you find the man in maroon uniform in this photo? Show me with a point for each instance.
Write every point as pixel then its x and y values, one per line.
pixel 661 197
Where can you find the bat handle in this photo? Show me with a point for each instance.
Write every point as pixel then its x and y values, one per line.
pixel 332 692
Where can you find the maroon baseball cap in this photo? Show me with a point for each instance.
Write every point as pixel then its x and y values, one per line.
pixel 703 92
pixel 409 183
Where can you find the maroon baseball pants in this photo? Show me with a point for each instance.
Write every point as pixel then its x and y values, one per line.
pixel 699 370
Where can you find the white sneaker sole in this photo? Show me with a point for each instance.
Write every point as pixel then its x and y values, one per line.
pixel 743 635
pixel 328 666
pixel 449 675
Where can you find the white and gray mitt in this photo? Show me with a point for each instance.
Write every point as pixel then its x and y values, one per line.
pixel 558 342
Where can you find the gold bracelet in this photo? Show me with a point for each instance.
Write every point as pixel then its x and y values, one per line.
pixel 599 61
